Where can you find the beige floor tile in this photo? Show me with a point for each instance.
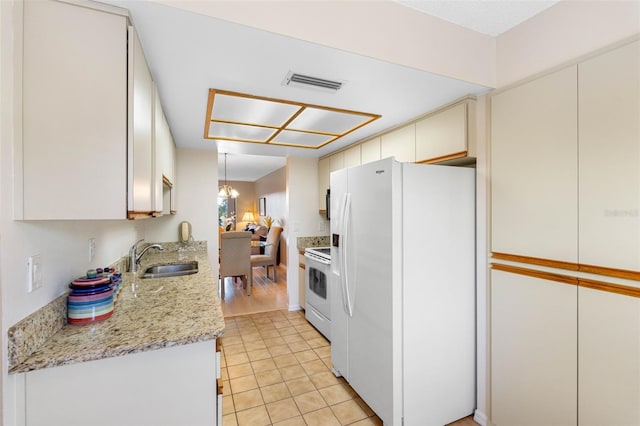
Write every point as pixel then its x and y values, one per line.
pixel 318 343
pixel 279 350
pixel 324 379
pixel 231 340
pixel 257 416
pixel 239 370
pixel 274 341
pixel 233 349
pixel 258 354
pixel 248 399
pixel 369 421
pixel 300 385
pixel 275 392
pixel 309 401
pixel 322 417
pixel 282 410
pixel 292 372
pixel 229 420
pixel 282 324
pixel 368 411
pixel 323 351
pixel 335 394
pixel 242 384
pixel 287 330
pixel 269 377
pixel 251 337
pixel 263 365
pixel 301 328
pixel 255 345
pixel 228 406
pixel 294 421
pixel 285 360
pixel 223 361
pixel 314 367
pixel 306 356
pixel 299 346
pixel 348 412
pixel 293 338
pixel 235 359
pixel 224 373
pixel 269 334
pixel 309 335
pixel 327 362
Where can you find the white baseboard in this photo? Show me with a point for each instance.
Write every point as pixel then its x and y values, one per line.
pixel 480 418
pixel 295 307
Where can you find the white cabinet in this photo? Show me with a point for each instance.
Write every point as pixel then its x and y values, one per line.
pixel 140 147
pixel 351 156
pixel 324 170
pixel 370 150
pixel 400 143
pixel 534 168
pixel 533 351
pixel 302 280
pixel 171 386
pixel 609 358
pixel 74 113
pixel 609 159
pixel 444 135
pixel 164 163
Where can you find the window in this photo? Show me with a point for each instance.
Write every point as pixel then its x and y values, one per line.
pixel 227 213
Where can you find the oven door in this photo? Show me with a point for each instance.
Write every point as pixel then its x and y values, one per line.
pixel 317 285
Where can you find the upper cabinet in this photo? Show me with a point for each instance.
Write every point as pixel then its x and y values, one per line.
pixel 164 165
pixel 446 135
pixel 370 150
pixel 399 143
pixel 74 113
pixel 534 168
pixel 88 149
pixel 609 158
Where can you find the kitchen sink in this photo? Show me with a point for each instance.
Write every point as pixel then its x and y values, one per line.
pixel 171 270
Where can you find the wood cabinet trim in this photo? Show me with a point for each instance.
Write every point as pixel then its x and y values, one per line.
pixel 454 156
pixel 609 287
pixel 564 279
pixel 536 261
pixel 610 272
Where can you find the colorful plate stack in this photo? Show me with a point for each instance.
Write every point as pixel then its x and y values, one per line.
pixel 90 300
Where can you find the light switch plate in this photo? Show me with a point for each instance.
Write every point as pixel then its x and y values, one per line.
pixel 34 272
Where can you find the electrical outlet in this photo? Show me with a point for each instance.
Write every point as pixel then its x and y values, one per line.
pixel 34 274
pixel 92 248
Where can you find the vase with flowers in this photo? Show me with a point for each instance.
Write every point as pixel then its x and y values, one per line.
pixel 268 221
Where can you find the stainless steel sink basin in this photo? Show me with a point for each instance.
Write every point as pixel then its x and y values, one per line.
pixel 171 270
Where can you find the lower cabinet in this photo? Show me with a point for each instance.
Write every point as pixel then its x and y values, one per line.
pixel 533 351
pixel 609 358
pixel 171 386
pixel 302 274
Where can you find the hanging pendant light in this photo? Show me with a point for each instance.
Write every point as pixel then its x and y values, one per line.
pixel 226 191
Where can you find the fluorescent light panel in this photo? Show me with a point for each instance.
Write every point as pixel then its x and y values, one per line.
pixel 246 118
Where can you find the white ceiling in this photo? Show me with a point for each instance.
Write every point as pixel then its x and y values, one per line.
pixel 189 53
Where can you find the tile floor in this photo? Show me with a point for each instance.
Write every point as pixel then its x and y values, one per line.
pixel 276 370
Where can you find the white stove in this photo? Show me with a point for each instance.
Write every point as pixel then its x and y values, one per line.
pixel 318 287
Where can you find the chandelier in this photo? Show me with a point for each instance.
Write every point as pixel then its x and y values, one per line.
pixel 226 191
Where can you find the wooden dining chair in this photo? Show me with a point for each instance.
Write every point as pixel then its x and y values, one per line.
pixel 235 259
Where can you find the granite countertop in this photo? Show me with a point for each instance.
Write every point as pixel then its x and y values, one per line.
pixel 149 314
pixel 318 241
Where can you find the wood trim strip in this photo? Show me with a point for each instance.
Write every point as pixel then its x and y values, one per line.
pixel 564 279
pixel 166 181
pixel 454 156
pixel 219 387
pixel 536 261
pixel 139 215
pixel 610 272
pixel 591 269
pixel 609 287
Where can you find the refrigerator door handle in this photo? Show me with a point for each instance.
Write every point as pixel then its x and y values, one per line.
pixel 344 276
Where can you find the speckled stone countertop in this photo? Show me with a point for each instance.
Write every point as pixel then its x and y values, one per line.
pixel 304 242
pixel 150 314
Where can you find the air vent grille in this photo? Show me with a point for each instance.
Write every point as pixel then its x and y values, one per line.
pixel 308 80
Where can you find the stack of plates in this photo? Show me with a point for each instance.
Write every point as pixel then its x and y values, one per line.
pixel 90 300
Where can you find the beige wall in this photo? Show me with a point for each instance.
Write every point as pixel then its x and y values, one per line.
pixel 562 33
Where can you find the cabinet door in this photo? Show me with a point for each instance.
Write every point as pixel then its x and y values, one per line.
pixel 442 134
pixel 301 281
pixel 352 156
pixel 140 144
pixel 336 162
pixel 74 112
pixel 533 351
pixel 323 182
pixel 534 168
pixel 164 148
pixel 370 151
pixel 609 185
pixel 400 143
pixel 609 358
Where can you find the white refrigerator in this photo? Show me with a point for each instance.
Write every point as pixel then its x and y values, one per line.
pixel 403 270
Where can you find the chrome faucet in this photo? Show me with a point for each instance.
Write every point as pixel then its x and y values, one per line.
pixel 134 257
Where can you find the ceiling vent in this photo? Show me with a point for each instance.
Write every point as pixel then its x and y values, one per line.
pixel 307 81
